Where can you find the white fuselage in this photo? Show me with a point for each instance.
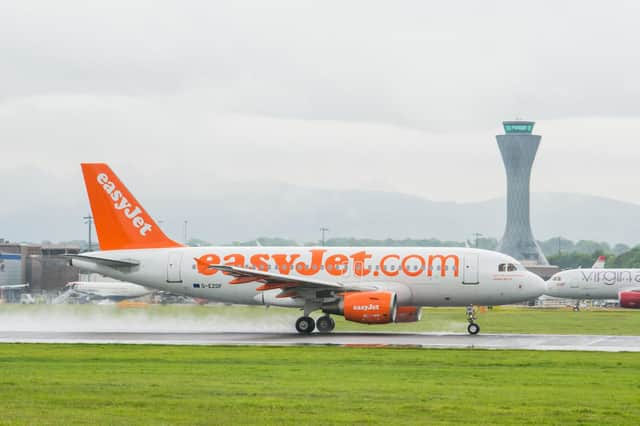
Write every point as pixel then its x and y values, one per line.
pixel 592 283
pixel 436 276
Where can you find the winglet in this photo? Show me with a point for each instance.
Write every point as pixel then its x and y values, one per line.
pixel 121 221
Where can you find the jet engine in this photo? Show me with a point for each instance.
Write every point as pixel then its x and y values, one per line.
pixel 369 307
pixel 630 299
pixel 409 314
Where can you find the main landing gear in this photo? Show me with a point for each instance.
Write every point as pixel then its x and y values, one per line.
pixel 472 328
pixel 324 324
pixel 305 325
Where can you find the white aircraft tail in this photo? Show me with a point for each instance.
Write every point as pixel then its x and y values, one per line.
pixel 599 264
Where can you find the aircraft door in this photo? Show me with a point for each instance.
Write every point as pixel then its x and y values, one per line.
pixel 174 263
pixel 470 272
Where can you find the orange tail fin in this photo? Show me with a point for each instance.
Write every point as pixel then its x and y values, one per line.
pixel 120 220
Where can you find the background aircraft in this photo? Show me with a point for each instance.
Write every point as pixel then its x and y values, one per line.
pixel 10 287
pixel 102 290
pixel 598 283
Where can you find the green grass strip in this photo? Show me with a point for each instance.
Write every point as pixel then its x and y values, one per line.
pixel 129 384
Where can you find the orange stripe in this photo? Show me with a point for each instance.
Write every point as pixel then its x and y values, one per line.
pixel 273 286
pixel 286 294
pixel 243 280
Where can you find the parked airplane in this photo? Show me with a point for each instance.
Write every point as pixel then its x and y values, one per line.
pixel 11 287
pixel 598 264
pixel 598 283
pixel 371 285
pixel 102 290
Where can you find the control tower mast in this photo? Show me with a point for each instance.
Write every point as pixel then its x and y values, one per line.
pixel 518 148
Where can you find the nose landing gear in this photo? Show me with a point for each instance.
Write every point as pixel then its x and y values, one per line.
pixel 472 328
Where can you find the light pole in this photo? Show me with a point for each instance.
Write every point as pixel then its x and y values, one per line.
pixel 323 230
pixel 476 235
pixel 186 222
pixel 89 221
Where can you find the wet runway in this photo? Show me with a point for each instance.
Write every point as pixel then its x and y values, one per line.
pixel 419 340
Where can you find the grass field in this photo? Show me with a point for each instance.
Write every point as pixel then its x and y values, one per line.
pixel 88 384
pixel 238 318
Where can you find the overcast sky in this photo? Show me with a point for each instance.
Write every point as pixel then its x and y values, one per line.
pixel 189 97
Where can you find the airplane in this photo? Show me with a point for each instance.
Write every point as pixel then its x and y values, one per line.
pixel 370 285
pixel 102 290
pixel 598 264
pixel 11 287
pixel 597 283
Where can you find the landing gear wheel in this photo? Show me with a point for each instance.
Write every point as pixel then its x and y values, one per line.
pixel 473 328
pixel 305 325
pixel 325 324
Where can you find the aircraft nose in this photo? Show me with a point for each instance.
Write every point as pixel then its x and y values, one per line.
pixel 555 285
pixel 536 285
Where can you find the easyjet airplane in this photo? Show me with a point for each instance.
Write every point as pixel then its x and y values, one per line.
pixel 371 285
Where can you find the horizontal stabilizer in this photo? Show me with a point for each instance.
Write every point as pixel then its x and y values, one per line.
pixel 114 263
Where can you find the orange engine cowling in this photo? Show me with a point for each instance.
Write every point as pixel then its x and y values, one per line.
pixel 367 307
pixel 409 314
pixel 630 299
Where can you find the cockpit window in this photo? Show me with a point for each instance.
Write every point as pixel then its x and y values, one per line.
pixel 557 278
pixel 507 267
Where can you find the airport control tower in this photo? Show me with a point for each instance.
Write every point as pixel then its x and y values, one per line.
pixel 518 148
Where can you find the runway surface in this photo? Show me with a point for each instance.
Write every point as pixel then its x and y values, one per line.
pixel 419 340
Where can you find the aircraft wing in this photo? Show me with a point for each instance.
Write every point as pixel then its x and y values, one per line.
pixel 13 286
pixel 286 283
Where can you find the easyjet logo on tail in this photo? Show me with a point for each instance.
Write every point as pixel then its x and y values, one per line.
pixel 122 204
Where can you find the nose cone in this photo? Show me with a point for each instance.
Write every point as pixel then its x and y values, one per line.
pixel 536 286
pixel 555 286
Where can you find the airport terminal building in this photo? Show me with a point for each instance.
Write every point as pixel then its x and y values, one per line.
pixel 41 266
